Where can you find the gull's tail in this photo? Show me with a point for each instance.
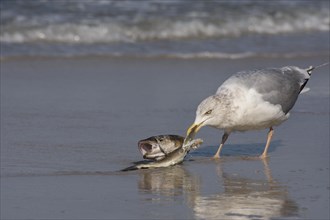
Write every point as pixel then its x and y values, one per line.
pixel 311 68
pixel 309 72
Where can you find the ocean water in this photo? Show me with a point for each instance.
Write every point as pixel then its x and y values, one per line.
pixel 170 28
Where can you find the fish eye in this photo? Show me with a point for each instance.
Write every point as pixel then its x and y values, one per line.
pixel 208 112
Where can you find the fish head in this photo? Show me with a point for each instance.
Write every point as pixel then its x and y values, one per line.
pixel 157 147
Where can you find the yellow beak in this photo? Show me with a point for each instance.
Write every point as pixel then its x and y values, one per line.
pixel 191 132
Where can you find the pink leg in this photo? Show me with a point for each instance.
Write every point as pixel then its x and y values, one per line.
pixel 224 138
pixel 269 138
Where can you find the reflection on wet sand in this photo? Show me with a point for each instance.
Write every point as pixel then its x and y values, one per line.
pixel 245 198
pixel 240 197
pixel 171 181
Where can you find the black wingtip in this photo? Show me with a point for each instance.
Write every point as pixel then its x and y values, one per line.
pixel 310 69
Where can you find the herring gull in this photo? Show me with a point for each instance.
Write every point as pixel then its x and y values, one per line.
pixel 252 100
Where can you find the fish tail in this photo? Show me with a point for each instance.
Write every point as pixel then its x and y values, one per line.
pixel 138 167
pixel 130 168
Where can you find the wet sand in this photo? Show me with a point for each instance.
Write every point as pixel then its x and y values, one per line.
pixel 69 124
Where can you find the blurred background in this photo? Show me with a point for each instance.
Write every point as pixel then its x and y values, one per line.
pixel 171 28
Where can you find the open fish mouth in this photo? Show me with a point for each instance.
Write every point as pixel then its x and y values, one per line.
pixel 150 150
pixel 145 148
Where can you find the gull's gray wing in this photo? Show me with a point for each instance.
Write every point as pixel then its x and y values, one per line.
pixel 276 85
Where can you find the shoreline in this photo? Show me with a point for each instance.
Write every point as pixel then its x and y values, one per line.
pixel 81 118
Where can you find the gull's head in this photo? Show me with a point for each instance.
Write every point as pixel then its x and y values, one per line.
pixel 208 113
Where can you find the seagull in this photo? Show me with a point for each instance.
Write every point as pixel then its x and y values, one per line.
pixel 252 100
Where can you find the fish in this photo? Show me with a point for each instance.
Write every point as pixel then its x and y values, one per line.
pixel 157 147
pixel 170 142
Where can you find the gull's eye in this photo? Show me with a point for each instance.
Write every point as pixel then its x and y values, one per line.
pixel 208 112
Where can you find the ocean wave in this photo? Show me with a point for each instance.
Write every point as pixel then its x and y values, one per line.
pixel 107 33
pixel 185 56
pixel 157 25
pixel 220 55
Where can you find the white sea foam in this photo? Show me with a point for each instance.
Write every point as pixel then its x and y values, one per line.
pixel 109 31
pixel 176 28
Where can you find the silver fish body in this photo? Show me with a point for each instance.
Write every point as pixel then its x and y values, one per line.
pixel 170 159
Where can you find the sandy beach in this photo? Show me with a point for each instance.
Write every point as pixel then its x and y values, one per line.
pixel 69 124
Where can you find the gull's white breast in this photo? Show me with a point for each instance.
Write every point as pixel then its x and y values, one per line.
pixel 252 112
